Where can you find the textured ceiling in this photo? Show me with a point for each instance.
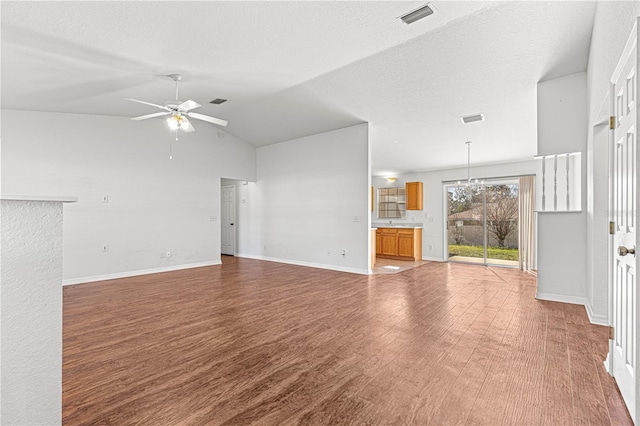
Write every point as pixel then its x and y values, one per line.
pixel 291 69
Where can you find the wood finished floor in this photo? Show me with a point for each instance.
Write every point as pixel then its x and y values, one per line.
pixel 253 342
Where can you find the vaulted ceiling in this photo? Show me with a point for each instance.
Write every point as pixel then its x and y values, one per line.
pixel 291 69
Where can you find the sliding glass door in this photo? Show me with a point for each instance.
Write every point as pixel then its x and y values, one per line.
pixel 482 223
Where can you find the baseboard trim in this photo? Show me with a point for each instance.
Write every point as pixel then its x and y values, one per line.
pixel 94 278
pixel 308 264
pixel 606 363
pixel 433 259
pixel 597 319
pixel 574 300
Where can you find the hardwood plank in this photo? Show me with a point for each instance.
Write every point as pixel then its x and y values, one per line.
pixel 252 342
pixel 556 398
pixel 491 401
pixel 527 365
pixel 589 407
pixel 488 332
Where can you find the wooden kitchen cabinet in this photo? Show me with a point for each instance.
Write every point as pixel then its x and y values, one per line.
pixel 389 240
pixel 405 243
pixel 399 243
pixel 373 249
pixel 413 192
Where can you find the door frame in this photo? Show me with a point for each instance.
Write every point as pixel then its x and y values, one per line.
pixel 445 212
pixel 234 219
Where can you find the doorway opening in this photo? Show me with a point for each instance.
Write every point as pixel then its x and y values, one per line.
pixel 482 223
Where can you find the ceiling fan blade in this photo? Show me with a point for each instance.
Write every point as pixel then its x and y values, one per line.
pixel 155 114
pixel 148 103
pixel 207 118
pixel 186 126
pixel 187 105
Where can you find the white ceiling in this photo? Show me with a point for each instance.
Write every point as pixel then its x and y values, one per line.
pixel 291 69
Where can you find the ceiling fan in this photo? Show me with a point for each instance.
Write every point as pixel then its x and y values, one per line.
pixel 178 111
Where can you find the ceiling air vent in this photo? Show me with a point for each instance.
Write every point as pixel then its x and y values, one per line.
pixel 417 14
pixel 218 101
pixel 472 118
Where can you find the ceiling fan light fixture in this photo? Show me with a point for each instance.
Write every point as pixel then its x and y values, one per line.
pixel 174 122
pixel 178 111
pixel 417 14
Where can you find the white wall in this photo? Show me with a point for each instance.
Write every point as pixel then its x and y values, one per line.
pixel 597 225
pixel 562 257
pixel 310 202
pixel 433 215
pixel 562 239
pixel 155 204
pixel 31 313
pixel 611 29
pixel 562 112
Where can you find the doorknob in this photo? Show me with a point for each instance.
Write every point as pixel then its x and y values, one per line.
pixel 623 251
pixel 231 224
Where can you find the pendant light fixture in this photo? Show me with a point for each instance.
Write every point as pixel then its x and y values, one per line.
pixel 470 185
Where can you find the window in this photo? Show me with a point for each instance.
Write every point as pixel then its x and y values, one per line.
pixel 391 202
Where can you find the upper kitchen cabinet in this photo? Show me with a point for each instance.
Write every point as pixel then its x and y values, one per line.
pixel 414 195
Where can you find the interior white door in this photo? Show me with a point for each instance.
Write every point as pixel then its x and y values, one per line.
pixel 228 220
pixel 623 211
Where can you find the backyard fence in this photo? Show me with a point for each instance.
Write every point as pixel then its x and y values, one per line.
pixel 473 235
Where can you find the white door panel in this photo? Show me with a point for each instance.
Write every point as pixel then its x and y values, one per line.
pixel 623 177
pixel 228 220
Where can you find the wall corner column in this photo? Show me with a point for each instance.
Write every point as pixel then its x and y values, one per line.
pixel 31 309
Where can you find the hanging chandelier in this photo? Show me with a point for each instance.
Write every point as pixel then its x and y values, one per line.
pixel 470 184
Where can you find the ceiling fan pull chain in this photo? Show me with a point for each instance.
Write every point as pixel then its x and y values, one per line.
pixel 171 146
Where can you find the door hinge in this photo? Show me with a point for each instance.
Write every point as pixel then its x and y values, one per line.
pixel 612 228
pixel 612 122
pixel 611 333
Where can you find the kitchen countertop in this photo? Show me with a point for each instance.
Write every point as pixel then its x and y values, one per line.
pixel 397 225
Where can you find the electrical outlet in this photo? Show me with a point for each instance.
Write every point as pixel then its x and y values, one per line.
pixel 430 247
pixel 105 248
pixel 213 218
pixel 356 219
pixel 344 253
pixel 105 198
pixel 329 253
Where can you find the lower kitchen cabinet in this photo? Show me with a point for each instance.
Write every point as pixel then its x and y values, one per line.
pixel 389 239
pixel 399 243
